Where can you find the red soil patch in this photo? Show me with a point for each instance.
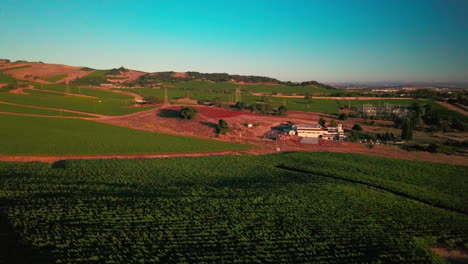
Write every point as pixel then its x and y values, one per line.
pixel 17 91
pixel 180 75
pixel 3 85
pixel 186 101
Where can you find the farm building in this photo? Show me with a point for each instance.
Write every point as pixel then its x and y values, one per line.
pixel 317 131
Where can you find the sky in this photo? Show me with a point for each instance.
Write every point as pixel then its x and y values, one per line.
pixel 327 41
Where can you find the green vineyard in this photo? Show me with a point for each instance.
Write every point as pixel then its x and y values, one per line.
pixel 343 208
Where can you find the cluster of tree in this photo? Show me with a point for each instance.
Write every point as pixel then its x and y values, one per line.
pixel 116 71
pixel 91 80
pixel 460 98
pixel 187 112
pixel 386 137
pixel 426 117
pixel 224 77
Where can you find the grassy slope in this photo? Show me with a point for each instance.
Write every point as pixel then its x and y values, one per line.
pixel 90 105
pixel 42 136
pixel 243 209
pixel 36 111
pixel 56 78
pixel 5 78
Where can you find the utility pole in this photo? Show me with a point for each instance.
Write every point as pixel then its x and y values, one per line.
pixel 166 100
pixel 238 95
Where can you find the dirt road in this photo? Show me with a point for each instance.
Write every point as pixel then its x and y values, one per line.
pixel 452 107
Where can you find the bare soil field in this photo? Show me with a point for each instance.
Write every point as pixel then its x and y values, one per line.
pixel 180 75
pixel 44 71
pixel 130 75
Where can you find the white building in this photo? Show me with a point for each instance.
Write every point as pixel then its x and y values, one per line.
pixel 317 131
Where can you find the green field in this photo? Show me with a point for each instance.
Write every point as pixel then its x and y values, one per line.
pixel 236 209
pixel 253 88
pixel 53 136
pixel 36 111
pixel 99 93
pixel 106 106
pixel 5 78
pixel 56 78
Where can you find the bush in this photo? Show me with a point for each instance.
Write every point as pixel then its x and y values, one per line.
pixel 321 121
pixel 356 127
pixel 187 112
pixel 281 111
pixel 153 99
pixel 239 106
pixel 343 116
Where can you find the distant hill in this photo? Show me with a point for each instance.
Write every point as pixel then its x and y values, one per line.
pixel 57 73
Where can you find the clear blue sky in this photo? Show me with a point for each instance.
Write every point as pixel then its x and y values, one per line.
pixel 332 40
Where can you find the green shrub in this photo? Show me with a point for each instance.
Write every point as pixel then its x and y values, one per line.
pixel 187 112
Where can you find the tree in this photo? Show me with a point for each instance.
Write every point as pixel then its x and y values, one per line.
pixel 153 99
pixel 282 110
pixel 262 108
pixel 418 123
pixel 356 127
pixel 343 116
pixel 407 129
pixel 222 127
pixel 307 96
pixel 188 112
pixel 239 106
pixel 321 121
pixel 333 123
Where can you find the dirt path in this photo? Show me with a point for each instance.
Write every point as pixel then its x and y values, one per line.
pixel 55 158
pixel 452 107
pixel 21 114
pixel 57 109
pixel 452 255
